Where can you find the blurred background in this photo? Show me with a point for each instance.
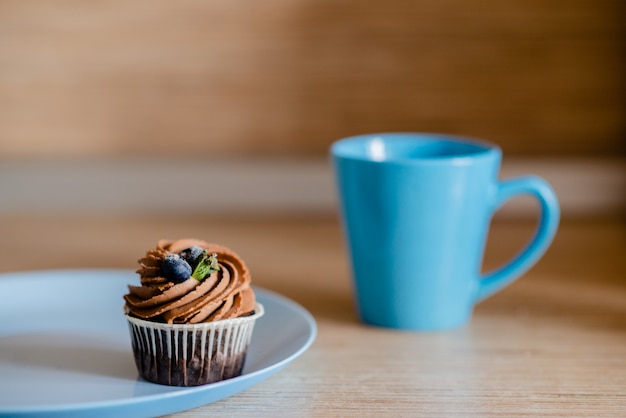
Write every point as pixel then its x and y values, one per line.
pixel 226 106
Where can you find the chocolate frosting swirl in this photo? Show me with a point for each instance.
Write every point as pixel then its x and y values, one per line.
pixel 223 294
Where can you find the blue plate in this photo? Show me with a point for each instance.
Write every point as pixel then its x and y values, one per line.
pixel 65 349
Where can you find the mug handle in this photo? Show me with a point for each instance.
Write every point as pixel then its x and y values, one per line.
pixel 546 229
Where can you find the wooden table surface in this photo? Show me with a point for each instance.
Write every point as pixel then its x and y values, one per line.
pixel 551 344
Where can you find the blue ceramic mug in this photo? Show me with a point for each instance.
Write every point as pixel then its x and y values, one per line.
pixel 416 210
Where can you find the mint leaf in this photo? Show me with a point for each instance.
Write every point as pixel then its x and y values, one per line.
pixel 207 265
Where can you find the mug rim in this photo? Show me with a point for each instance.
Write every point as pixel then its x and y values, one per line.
pixel 481 149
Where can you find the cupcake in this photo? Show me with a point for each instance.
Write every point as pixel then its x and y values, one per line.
pixel 191 318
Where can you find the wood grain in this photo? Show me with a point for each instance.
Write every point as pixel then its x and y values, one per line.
pixel 215 78
pixel 551 344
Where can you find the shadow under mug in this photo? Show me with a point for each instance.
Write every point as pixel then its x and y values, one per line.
pixel 416 210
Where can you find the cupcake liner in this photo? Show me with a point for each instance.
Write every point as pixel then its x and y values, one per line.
pixel 191 354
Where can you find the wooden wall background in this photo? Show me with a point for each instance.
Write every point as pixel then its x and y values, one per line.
pixel 109 78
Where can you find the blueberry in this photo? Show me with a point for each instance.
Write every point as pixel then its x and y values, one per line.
pixel 192 255
pixel 175 269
